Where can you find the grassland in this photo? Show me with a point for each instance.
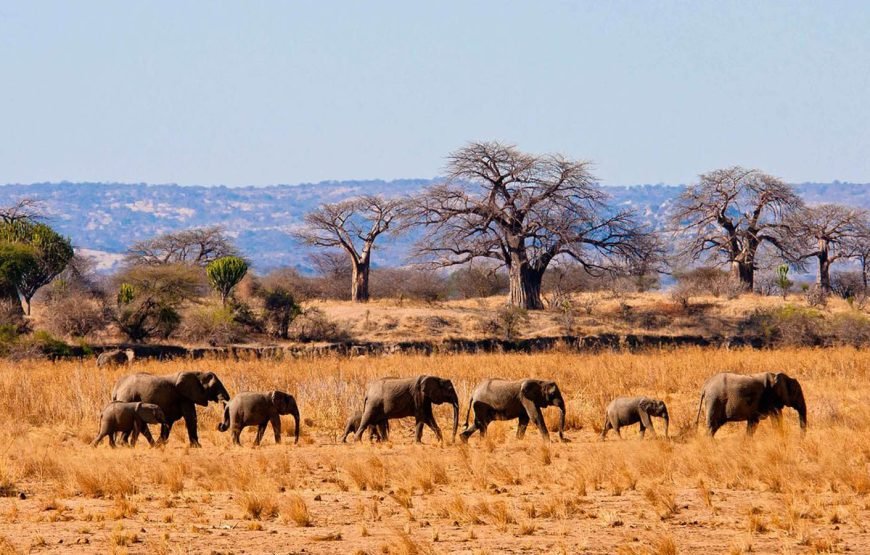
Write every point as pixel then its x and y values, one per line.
pixel 776 492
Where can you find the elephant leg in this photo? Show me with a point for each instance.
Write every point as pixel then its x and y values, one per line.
pixel 521 426
pixel 646 423
pixel 751 424
pixel 165 429
pixel 134 437
pixel 146 433
pixel 467 432
pixel 430 421
pixel 261 429
pixel 124 437
pixel 276 427
pixel 642 431
pixel 189 413
pixel 237 434
pixel 616 427
pixel 98 439
pixel 112 440
pixel 367 419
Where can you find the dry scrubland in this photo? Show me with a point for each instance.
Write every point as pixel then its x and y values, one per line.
pixel 774 493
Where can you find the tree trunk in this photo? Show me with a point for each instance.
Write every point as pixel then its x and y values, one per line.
pixel 744 272
pixel 824 277
pixel 359 289
pixel 27 306
pixel 525 285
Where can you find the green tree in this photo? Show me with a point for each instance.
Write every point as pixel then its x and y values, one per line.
pixel 51 253
pixel 280 309
pixel 782 280
pixel 225 273
pixel 15 260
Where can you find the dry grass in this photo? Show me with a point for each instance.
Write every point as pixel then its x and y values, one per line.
pixel 775 492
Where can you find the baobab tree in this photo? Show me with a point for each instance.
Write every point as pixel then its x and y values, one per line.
pixel 730 213
pixel 353 225
pixel 828 233
pixel 197 246
pixel 523 211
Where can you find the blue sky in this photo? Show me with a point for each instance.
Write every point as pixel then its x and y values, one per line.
pixel 256 93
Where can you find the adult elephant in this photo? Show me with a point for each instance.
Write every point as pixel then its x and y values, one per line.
pixel 391 398
pixel 496 399
pixel 750 398
pixel 177 395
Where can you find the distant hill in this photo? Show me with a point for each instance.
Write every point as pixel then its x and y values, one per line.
pixel 103 219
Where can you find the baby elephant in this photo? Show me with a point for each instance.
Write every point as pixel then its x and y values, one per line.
pixel 259 409
pixel 125 418
pixel 626 411
pixel 377 432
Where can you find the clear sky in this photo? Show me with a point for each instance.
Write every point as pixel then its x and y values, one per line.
pixel 256 93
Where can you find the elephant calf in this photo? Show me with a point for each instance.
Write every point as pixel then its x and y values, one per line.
pixel 127 418
pixel 625 411
pixel 377 432
pixel 259 409
pixel 505 400
pixel 115 357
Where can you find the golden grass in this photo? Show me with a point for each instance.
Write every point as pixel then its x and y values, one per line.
pixel 777 491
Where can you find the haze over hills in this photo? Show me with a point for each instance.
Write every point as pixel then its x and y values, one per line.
pixel 103 219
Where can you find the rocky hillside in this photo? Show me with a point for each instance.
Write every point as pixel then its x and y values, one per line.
pixel 104 218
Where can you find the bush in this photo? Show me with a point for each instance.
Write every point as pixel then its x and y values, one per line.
pixel 279 310
pixel 314 325
pixel 76 315
pixel 711 281
pixel 509 319
pixel 474 282
pixel 11 315
pixel 212 325
pixel 850 329
pixel 816 297
pixel 789 325
pixel 402 284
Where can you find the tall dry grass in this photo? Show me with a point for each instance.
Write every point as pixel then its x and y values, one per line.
pixel 499 485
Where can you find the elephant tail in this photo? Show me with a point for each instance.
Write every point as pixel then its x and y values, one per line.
pixel 700 404
pixel 225 425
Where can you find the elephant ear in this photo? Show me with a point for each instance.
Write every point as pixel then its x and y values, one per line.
pixel 531 389
pixel 422 389
pixel 281 401
pixel 189 385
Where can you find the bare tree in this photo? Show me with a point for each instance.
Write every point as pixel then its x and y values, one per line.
pixel 730 213
pixel 523 211
pixel 26 210
pixel 861 249
pixel 352 225
pixel 828 232
pixel 197 246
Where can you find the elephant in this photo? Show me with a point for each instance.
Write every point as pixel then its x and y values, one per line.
pixel 115 357
pixel 390 398
pixel 750 398
pixel 496 399
pixel 177 394
pixel 128 418
pixel 259 409
pixel 377 432
pixel 625 411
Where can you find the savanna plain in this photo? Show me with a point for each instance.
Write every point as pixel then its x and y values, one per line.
pixel 777 492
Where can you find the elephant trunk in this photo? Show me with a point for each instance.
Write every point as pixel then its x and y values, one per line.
pixel 561 404
pixel 295 413
pixel 455 417
pixel 667 419
pixel 800 406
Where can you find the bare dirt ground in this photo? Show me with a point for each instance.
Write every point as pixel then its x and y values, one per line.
pixel 774 493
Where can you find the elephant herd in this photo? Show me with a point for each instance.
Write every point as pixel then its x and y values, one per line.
pixel 142 399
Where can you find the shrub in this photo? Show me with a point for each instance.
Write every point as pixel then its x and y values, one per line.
pixel 816 297
pixel 212 325
pixel 400 283
pixel 789 325
pixel 712 281
pixel 314 325
pixel 509 319
pixel 850 329
pixel 76 315
pixel 474 282
pixel 279 310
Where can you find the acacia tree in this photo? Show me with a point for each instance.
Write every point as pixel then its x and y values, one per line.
pixel 50 251
pixel 352 225
pixel 197 246
pixel 523 211
pixel 730 213
pixel 828 233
